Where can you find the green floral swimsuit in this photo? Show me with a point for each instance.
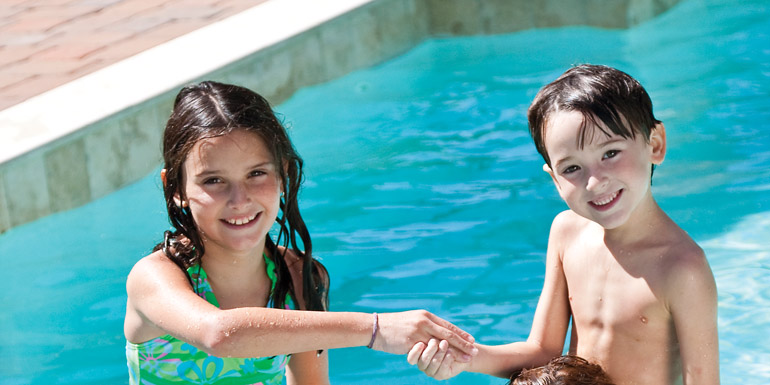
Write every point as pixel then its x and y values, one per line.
pixel 167 360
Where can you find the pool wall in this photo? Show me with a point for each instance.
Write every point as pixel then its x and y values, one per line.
pixel 90 137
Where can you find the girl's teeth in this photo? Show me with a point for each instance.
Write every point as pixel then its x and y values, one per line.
pixel 239 222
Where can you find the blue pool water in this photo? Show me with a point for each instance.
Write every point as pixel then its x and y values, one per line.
pixel 424 191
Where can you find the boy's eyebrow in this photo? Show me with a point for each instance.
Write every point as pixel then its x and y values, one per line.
pixel 611 141
pixel 559 161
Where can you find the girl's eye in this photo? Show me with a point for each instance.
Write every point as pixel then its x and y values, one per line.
pixel 257 173
pixel 570 169
pixel 610 154
pixel 211 181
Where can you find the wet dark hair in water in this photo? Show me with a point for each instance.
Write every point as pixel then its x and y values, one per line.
pixel 210 109
pixel 564 370
pixel 610 101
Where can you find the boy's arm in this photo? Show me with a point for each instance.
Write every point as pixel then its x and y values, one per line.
pixel 693 302
pixel 551 320
pixel 546 338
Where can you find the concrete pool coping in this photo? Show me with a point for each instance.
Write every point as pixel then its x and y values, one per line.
pixel 92 136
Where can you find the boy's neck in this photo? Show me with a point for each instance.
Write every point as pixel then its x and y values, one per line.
pixel 645 223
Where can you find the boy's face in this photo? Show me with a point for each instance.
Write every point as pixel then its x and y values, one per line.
pixel 607 179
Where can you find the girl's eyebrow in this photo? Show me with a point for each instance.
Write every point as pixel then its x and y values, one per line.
pixel 206 173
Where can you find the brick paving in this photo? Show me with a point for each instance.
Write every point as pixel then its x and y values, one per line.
pixel 47 43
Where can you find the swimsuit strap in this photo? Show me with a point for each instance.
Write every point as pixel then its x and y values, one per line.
pixel 202 287
pixel 270 270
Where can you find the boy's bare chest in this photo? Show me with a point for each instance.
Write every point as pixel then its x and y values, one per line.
pixel 617 295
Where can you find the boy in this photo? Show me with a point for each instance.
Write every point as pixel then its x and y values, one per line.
pixel 639 290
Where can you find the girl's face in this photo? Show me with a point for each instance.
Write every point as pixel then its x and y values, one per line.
pixel 233 190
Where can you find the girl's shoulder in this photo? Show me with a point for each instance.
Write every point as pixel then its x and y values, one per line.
pixel 295 264
pixel 155 263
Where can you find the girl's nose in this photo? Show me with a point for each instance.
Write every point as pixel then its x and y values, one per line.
pixel 239 195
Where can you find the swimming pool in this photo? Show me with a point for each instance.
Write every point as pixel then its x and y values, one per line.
pixel 424 191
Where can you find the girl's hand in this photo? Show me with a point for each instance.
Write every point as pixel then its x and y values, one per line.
pixel 399 332
pixel 435 359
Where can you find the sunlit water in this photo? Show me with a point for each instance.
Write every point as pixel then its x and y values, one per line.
pixel 424 191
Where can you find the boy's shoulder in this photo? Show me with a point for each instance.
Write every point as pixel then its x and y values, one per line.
pixel 567 223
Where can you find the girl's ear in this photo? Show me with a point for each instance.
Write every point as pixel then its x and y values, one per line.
pixel 177 198
pixel 658 143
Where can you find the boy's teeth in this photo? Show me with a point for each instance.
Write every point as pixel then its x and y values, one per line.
pixel 606 200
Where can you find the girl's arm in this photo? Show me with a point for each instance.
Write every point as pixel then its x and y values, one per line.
pixel 304 368
pixel 160 301
pixel 546 338
pixel 308 368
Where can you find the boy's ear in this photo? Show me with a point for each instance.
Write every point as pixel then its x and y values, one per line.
pixel 547 169
pixel 658 143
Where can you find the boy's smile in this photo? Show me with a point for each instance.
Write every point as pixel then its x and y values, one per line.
pixel 608 177
pixel 606 203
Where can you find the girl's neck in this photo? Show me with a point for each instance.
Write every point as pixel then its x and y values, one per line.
pixel 218 262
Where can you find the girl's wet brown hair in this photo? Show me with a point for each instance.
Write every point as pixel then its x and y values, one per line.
pixel 210 109
pixel 564 370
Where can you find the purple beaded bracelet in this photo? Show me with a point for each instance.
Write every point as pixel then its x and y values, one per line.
pixel 375 328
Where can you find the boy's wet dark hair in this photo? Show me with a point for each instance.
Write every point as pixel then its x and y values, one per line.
pixel 564 370
pixel 609 100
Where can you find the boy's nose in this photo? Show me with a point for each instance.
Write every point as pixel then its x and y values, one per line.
pixel 596 181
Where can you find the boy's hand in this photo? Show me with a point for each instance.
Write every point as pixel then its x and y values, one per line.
pixel 436 360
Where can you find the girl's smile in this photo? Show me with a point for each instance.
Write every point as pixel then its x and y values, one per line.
pixel 240 221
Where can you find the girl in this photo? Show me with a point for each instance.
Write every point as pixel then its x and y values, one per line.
pixel 220 301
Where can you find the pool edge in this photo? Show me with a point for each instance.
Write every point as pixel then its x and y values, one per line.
pixel 66 154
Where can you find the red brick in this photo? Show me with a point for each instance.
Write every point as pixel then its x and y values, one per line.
pixel 18 39
pixel 174 29
pixel 10 55
pixel 86 35
pixel 8 80
pixel 87 67
pixel 45 18
pixel 125 48
pixel 32 86
pixel 191 10
pixel 41 67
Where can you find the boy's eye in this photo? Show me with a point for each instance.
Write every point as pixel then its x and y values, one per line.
pixel 610 154
pixel 570 169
